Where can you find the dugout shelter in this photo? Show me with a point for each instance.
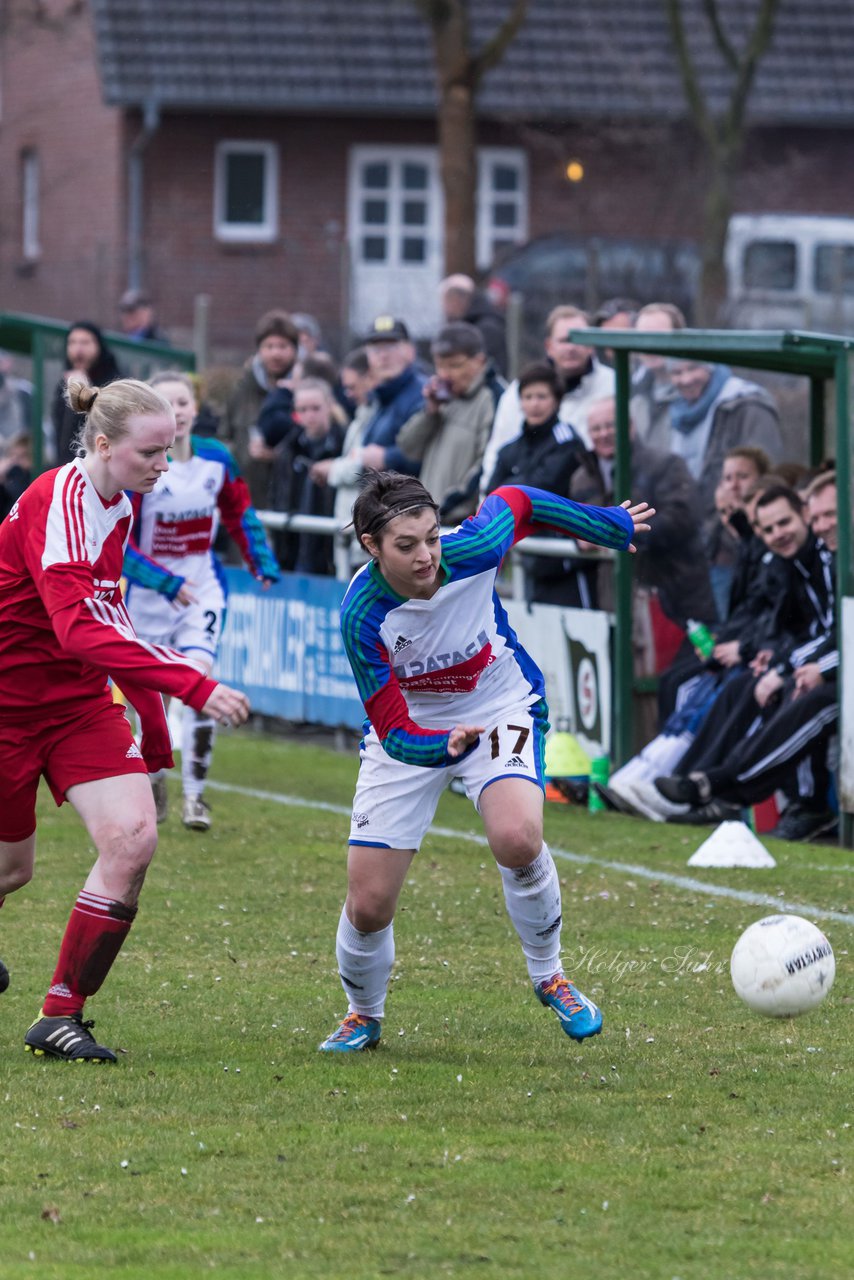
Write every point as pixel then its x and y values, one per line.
pixel 827 361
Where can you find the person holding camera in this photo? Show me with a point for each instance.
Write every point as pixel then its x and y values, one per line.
pixel 448 436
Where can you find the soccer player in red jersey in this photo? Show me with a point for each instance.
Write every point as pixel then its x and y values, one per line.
pixel 63 629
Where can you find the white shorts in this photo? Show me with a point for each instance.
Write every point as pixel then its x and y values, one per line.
pixel 394 802
pixel 186 627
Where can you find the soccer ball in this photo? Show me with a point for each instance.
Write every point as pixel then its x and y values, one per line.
pixel 782 965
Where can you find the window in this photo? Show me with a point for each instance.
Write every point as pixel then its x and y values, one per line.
pixel 770 264
pixel 502 201
pixel 834 268
pixel 246 188
pixel 30 202
pixel 394 209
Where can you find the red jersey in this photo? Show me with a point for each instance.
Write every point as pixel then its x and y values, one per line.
pixel 63 623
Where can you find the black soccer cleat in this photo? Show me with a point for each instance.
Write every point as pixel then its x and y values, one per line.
pixel 4 977
pixel 66 1038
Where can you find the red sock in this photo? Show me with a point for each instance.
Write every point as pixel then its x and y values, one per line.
pixel 96 929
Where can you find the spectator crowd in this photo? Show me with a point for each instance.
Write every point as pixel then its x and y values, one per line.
pixel 740 555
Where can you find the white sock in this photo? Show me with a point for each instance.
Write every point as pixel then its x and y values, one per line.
pixel 364 965
pixel 197 742
pixel 532 895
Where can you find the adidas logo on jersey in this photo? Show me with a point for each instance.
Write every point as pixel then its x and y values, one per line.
pixel 515 762
pixel 400 644
pixel 133 752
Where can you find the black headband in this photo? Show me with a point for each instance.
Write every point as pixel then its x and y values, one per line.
pixel 400 511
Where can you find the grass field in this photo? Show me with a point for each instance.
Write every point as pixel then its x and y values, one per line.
pixel 693 1139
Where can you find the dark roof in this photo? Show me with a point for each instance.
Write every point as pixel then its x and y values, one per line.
pixel 572 58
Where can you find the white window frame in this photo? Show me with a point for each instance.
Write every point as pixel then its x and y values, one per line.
pixel 30 203
pixel 393 229
pixel 247 232
pixel 486 233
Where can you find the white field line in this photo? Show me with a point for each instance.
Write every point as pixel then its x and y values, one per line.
pixel 687 883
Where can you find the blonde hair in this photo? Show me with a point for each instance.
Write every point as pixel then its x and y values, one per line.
pixel 108 408
pixel 314 384
pixel 566 312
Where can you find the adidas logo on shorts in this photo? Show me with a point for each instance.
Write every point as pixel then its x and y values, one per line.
pixel 515 762
pixel 400 644
pixel 133 752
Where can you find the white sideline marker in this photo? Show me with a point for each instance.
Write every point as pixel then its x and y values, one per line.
pixel 732 844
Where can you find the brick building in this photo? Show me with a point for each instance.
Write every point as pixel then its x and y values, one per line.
pixel 283 152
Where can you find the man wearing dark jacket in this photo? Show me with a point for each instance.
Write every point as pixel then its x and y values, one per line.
pixel 760 731
pixel 397 395
pixel 545 456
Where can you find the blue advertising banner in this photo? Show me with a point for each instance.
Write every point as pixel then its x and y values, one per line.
pixel 283 648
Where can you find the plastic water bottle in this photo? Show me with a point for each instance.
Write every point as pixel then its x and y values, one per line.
pixel 600 770
pixel 701 637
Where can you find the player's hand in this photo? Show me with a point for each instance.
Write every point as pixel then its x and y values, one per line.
pixel 768 687
pixel 727 653
pixel 807 677
pixel 641 513
pixel 186 594
pixel 266 583
pixel 227 705
pixel 461 738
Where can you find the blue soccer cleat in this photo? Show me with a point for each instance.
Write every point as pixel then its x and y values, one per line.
pixel 578 1016
pixel 355 1033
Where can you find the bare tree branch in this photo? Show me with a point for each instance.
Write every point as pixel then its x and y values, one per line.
pixel 721 38
pixel 493 51
pixel 760 38
pixel 690 80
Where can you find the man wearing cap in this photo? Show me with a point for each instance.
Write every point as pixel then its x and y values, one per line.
pixel 136 317
pixel 397 395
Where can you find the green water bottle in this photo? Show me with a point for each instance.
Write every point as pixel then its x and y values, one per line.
pixel 700 637
pixel 600 771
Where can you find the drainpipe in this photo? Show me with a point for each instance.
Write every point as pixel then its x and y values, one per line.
pixel 136 251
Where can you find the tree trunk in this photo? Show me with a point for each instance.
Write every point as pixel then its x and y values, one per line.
pixel 717 210
pixel 459 177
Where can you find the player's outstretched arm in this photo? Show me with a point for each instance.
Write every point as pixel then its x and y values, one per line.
pixel 641 514
pixel 227 705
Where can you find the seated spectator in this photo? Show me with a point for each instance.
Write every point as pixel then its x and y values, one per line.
pixel 317 437
pixel 448 436
pixel 16 401
pixel 765 724
pixel 545 456
pixel 652 390
pixel 396 395
pixel 16 471
pixel 583 380
pixel 344 473
pixel 87 353
pixel 461 300
pixel 670 559
pixel 723 747
pixel 712 413
pixel 742 468
pixel 267 375
pixel 137 319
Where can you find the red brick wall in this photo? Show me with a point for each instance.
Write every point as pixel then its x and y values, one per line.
pixel 51 101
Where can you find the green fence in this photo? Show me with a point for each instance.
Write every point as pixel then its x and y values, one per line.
pixel 43 342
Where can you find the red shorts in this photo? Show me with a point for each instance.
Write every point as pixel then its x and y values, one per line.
pixel 97 743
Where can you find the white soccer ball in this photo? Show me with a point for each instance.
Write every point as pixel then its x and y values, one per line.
pixel 782 965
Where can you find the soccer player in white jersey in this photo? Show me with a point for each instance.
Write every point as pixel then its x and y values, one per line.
pixel 176 588
pixel 63 629
pixel 450 693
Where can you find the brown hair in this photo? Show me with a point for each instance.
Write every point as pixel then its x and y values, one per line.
pixel 824 480
pixel 669 309
pixel 566 312
pixel 175 375
pixel 384 496
pixel 753 454
pixel 276 324
pixel 108 408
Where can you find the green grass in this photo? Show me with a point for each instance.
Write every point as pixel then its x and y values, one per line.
pixel 692 1139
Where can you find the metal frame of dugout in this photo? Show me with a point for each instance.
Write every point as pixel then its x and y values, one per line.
pixel 824 359
pixel 43 340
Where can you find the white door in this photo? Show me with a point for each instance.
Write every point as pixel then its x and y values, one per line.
pixel 395 237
